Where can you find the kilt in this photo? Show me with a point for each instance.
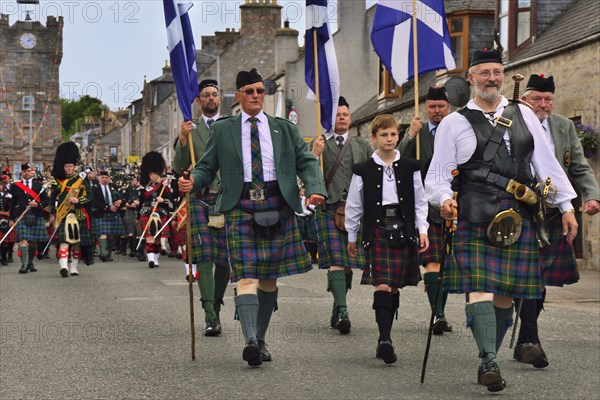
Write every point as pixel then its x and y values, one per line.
pixel 208 244
pixel 12 236
pixel 129 223
pixel 144 220
pixel 436 244
pixel 477 266
pixel 109 224
pixel 253 257
pixel 333 243
pixel 559 266
pixel 84 234
pixel 396 267
pixel 308 228
pixel 35 233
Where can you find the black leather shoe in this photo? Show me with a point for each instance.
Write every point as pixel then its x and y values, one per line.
pixel 31 267
pixel 385 350
pixel 439 325
pixel 251 354
pixel 490 377
pixel 265 356
pixel 213 328
pixel 151 264
pixel 23 269
pixel 530 353
pixel 102 258
pixel 448 327
pixel 343 325
pixel 64 272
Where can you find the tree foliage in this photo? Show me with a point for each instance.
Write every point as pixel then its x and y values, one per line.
pixel 75 111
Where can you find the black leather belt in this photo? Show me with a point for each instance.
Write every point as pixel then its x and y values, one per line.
pixel 260 194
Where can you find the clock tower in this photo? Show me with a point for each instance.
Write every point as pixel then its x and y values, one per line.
pixel 30 108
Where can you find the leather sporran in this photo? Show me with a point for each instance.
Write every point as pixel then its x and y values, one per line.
pixel 395 234
pixel 72 234
pixel 340 216
pixel 266 224
pixel 154 224
pixel 216 220
pixel 4 226
pixel 505 228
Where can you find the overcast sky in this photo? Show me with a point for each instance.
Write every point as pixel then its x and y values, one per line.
pixel 110 45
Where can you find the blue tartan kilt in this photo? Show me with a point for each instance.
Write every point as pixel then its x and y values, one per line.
pixel 333 243
pixel 308 228
pixel 84 233
pixel 436 244
pixel 208 244
pixel 109 224
pixel 396 267
pixel 35 233
pixel 559 266
pixel 253 257
pixel 475 265
pixel 130 223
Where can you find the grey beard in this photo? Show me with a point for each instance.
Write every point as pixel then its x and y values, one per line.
pixel 485 95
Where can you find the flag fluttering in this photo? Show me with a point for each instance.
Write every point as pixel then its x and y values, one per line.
pixel 325 58
pixel 392 37
pixel 182 52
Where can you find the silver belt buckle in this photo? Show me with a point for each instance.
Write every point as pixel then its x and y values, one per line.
pixel 257 194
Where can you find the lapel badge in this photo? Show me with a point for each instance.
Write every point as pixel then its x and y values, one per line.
pixel 567 158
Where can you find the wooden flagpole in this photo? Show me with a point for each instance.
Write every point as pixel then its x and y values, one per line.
pixel 188 248
pixel 416 72
pixel 317 95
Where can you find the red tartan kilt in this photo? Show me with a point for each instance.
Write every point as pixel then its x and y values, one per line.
pixel 144 220
pixel 12 236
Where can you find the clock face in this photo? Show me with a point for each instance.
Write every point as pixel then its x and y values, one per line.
pixel 28 40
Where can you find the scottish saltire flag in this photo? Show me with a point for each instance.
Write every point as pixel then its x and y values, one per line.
pixel 329 78
pixel 392 37
pixel 182 51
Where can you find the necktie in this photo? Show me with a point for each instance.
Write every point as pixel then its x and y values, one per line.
pixel 209 122
pixel 257 167
pixel 433 131
pixel 340 142
pixel 106 198
pixel 29 184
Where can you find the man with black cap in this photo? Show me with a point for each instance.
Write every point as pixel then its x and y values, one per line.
pixel 70 193
pixel 496 147
pixel 107 218
pixel 208 240
pixel 259 158
pixel 559 266
pixel 437 107
pixel 339 151
pixel 31 228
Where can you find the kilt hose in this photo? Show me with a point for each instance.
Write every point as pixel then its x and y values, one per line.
pixel 559 266
pixel 109 224
pixel 436 244
pixel 256 258
pixel 12 236
pixel 396 267
pixel 208 244
pixel 475 265
pixel 333 243
pixel 129 223
pixel 35 233
pixel 85 233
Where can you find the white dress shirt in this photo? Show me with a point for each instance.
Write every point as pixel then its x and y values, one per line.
pixel 355 206
pixel 214 118
pixel 266 148
pixel 457 143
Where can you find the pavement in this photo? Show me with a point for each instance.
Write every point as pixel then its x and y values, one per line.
pixel 122 331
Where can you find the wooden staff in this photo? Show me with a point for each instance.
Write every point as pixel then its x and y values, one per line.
pixel 416 73
pixel 188 247
pixel 317 95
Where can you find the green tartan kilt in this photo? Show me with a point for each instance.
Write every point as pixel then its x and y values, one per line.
pixel 109 224
pixel 475 265
pixel 35 233
pixel 559 266
pixel 84 233
pixel 208 244
pixel 333 242
pixel 253 257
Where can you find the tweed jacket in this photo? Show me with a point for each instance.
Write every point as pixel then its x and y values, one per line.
pixel 182 159
pixel 566 143
pixel 224 154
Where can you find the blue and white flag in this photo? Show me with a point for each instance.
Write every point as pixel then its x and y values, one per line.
pixel 392 37
pixel 329 77
pixel 182 51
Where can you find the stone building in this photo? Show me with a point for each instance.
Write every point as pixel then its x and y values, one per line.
pixel 30 58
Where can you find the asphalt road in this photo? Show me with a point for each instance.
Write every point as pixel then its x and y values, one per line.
pixel 122 331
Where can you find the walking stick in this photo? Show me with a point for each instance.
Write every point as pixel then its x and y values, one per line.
pixel 516 324
pixel 449 229
pixel 44 187
pixel 188 249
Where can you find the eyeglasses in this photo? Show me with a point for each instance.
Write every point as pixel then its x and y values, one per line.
pixel 250 92
pixel 537 99
pixel 209 95
pixel 486 74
